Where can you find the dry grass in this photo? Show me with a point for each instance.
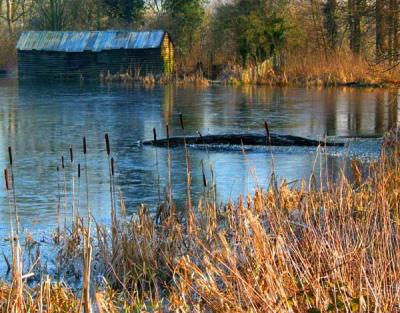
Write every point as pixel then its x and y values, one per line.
pixel 338 69
pixel 301 250
pixel 197 80
pixel 304 249
pixel 314 70
pixel 44 297
pixel 129 77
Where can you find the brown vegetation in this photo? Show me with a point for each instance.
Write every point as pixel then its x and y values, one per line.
pixel 314 70
pixel 338 69
pixel 313 248
pixel 46 296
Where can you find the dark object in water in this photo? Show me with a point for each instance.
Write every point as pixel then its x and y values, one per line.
pixel 239 139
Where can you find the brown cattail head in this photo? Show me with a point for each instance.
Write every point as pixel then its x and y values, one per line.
pixel 62 162
pixel 154 135
pixel 107 144
pixel 79 170
pixel 181 121
pixel 84 145
pixel 58 169
pixel 167 127
pixel 267 129
pixel 71 154
pixel 6 179
pixel 112 166
pixel 204 175
pixel 10 155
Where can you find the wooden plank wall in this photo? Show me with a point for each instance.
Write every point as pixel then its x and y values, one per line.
pixel 89 65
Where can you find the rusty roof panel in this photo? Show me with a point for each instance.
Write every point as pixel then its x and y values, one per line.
pixel 95 41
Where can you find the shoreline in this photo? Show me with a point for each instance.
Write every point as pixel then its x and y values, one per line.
pixel 310 81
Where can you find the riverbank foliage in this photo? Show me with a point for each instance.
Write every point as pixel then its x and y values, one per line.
pixel 322 42
pixel 321 246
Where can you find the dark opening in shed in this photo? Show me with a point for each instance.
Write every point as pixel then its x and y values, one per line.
pixel 64 55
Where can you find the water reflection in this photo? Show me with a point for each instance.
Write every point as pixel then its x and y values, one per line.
pixel 333 111
pixel 41 122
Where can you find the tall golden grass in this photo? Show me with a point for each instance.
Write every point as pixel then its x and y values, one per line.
pixel 331 247
pixel 314 69
pixel 338 69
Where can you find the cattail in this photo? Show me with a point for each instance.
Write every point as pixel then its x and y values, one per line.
pixel 6 179
pixel 79 170
pixel 204 175
pixel 71 154
pixel 154 135
pixel 181 121
pixel 267 130
pixel 112 166
pixel 158 173
pixel 107 144
pixel 10 155
pixel 167 126
pixel 169 170
pixel 58 169
pixel 84 145
pixel 62 162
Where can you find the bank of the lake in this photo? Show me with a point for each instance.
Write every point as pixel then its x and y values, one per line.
pixel 310 248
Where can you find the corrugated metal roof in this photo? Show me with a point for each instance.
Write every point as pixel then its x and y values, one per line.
pixel 90 41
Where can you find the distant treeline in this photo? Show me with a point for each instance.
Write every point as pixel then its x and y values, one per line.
pixel 212 35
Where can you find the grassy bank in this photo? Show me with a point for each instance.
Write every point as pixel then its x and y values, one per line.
pixel 311 70
pixel 298 70
pixel 313 248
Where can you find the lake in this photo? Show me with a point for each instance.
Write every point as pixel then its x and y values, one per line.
pixel 42 121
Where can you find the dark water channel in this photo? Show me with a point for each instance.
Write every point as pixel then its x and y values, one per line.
pixel 41 122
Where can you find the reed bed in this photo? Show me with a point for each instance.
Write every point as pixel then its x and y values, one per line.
pixel 338 69
pixel 149 80
pixel 313 70
pixel 46 296
pixel 295 69
pixel 331 247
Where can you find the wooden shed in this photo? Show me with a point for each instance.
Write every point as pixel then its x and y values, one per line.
pixel 87 55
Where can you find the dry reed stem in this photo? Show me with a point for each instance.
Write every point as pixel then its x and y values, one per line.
pixel 285 249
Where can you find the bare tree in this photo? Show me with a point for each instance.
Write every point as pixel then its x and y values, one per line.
pixel 14 11
pixel 356 11
pixel 393 30
pixel 52 13
pixel 156 6
pixel 331 23
pixel 380 33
